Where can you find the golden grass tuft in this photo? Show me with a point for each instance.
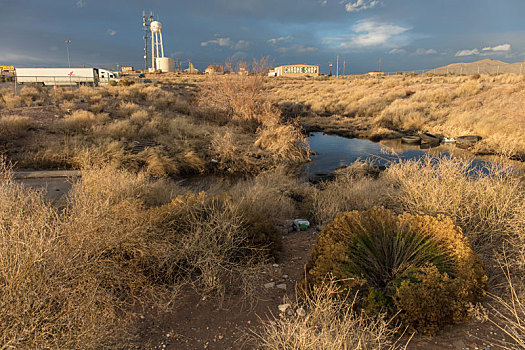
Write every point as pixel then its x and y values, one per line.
pixel 329 323
pixel 15 126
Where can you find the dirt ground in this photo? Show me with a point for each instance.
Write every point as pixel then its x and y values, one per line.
pixel 203 324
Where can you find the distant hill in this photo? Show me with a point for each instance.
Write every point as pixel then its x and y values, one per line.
pixel 486 66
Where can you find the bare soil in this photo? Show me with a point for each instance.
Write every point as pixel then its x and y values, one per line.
pixel 204 324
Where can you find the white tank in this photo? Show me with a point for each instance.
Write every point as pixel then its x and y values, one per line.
pixel 166 64
pixel 156 27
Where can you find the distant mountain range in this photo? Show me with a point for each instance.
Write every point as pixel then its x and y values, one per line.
pixel 486 66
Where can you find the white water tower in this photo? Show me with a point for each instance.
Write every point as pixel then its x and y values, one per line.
pixel 158 61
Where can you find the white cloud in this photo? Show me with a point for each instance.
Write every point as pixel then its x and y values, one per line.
pixel 112 32
pixel 421 51
pixel 81 3
pixel 241 45
pixel 498 48
pixel 323 2
pixel 486 51
pixel 227 42
pixel 218 41
pixel 396 51
pixel 359 5
pixel 370 33
pixel 276 40
pixel 298 48
pixel 462 53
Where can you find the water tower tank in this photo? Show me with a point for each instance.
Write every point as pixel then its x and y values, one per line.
pixel 156 27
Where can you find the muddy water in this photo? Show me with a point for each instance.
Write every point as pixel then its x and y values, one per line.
pixel 332 152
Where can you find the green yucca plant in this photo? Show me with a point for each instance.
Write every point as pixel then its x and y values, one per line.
pixel 390 254
pixel 419 267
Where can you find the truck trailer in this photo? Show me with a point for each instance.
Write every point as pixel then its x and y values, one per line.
pixel 64 76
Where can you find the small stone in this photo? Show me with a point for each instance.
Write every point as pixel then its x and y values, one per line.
pixel 275 265
pixel 281 286
pixel 285 276
pixel 319 228
pixel 269 285
pixel 283 307
pixel 300 312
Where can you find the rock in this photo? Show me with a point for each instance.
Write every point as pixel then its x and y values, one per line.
pixel 281 286
pixel 319 228
pixel 275 265
pixel 269 285
pixel 285 276
pixel 300 312
pixel 283 307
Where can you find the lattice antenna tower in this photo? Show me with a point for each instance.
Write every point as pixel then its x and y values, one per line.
pixel 146 22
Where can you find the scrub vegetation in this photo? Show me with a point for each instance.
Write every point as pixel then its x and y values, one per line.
pixel 388 107
pixel 411 248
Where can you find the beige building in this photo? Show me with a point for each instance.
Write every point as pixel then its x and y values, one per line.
pixel 297 70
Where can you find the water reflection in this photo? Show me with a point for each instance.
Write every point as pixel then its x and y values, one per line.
pixel 332 152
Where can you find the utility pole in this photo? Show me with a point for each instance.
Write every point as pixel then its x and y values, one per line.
pixel 380 64
pixel 337 74
pixel 67 49
pixel 330 65
pixel 344 66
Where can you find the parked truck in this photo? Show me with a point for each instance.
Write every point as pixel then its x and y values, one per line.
pixel 64 76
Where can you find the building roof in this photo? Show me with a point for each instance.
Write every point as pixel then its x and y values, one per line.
pixel 300 64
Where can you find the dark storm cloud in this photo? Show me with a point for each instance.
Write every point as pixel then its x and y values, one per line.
pixel 406 34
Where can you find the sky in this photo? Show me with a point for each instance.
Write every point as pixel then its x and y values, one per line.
pixel 405 34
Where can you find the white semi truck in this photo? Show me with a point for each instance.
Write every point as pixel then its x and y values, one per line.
pixel 64 76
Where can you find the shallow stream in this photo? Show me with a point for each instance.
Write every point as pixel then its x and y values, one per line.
pixel 332 152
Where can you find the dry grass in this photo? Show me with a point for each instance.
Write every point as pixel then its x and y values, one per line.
pixel 329 323
pixel 160 128
pixel 124 242
pixel 508 312
pixel 491 107
pixel 15 126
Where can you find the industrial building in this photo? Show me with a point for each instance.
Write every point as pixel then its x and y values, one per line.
pixel 297 70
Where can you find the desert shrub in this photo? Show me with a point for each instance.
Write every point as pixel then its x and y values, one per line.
pixel 419 266
pixel 80 120
pixel 14 126
pixel 75 278
pixel 67 106
pixel 46 299
pixel 469 88
pixel 403 115
pixel 32 95
pixel 285 142
pixel 327 322
pixel 355 188
pixel 484 202
pixel 9 99
pixel 508 312
pixel 125 82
